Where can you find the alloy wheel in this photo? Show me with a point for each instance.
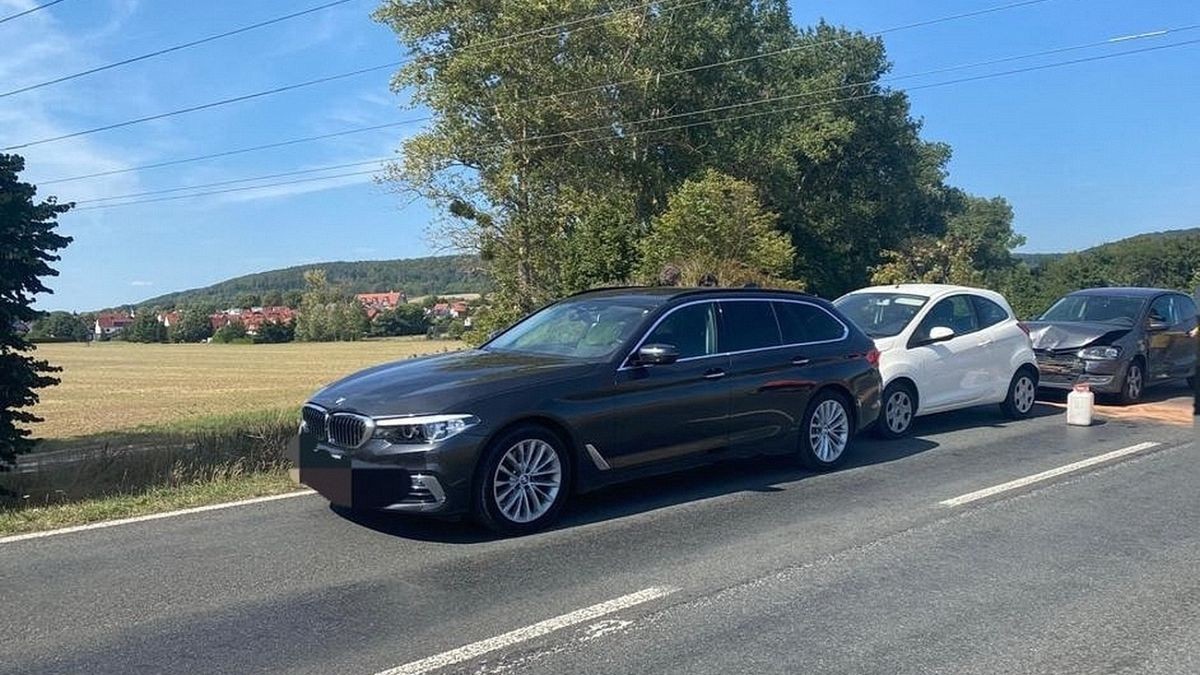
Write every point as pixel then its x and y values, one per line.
pixel 527 481
pixel 1024 394
pixel 1134 383
pixel 899 411
pixel 829 430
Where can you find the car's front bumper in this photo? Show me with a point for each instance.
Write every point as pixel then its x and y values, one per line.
pixel 1065 370
pixel 428 479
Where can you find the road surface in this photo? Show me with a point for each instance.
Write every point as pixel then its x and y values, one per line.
pixel 980 545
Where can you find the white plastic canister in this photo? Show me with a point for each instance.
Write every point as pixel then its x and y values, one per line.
pixel 1081 403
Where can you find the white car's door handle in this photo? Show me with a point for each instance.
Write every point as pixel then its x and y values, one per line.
pixel 985 343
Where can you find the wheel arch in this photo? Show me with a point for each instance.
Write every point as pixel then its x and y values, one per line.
pixel 551 424
pixel 907 381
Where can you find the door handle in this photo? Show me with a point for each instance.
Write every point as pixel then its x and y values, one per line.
pixel 714 374
pixel 801 361
pixel 985 343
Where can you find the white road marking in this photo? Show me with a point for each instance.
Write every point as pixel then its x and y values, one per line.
pixel 477 649
pixel 152 516
pixel 1047 475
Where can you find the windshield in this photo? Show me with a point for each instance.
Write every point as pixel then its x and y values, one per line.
pixel 881 314
pixel 1096 309
pixel 591 328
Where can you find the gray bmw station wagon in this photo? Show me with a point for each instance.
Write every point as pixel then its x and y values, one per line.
pixel 600 387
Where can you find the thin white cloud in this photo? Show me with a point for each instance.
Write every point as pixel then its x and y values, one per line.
pixel 141 283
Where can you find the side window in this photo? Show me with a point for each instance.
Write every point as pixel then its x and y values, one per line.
pixel 801 322
pixel 748 324
pixel 1185 310
pixel 989 313
pixel 954 313
pixel 1162 310
pixel 691 329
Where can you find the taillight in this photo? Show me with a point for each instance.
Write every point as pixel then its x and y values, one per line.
pixel 873 358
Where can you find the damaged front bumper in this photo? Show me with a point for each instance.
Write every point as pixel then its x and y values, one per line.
pixel 1064 370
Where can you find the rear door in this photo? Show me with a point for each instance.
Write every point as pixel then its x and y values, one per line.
pixel 1163 352
pixel 758 370
pixel 1185 341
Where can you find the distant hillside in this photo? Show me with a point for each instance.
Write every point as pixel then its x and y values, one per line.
pixel 414 276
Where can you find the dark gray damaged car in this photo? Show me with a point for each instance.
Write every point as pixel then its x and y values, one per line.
pixel 1116 340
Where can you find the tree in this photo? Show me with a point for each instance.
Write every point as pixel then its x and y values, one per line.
pixel 293 299
pixel 145 328
pixel 274 332
pixel 30 246
pixel 246 300
pixel 930 260
pixel 60 326
pixel 553 191
pixel 272 299
pixel 195 325
pixel 234 331
pixel 327 313
pixel 716 220
pixel 407 319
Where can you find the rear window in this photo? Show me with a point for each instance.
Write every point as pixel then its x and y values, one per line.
pixel 989 313
pixel 748 324
pixel 801 322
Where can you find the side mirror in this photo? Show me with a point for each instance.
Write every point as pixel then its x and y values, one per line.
pixel 1157 326
pixel 657 355
pixel 940 334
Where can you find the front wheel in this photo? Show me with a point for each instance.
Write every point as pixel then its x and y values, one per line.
pixel 1134 385
pixel 1022 392
pixel 523 483
pixel 825 432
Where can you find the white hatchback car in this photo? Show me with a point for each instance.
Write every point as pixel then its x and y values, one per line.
pixel 944 348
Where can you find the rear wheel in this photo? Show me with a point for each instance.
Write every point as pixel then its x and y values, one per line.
pixel 1135 383
pixel 523 482
pixel 1022 392
pixel 899 409
pixel 825 432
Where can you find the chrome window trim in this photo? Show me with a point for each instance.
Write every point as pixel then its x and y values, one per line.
pixel 625 364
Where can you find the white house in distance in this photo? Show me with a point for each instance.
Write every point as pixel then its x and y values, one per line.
pixel 108 325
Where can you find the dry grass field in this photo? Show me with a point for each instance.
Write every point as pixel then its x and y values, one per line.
pixel 115 385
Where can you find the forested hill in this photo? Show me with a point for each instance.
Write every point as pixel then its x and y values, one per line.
pixel 414 276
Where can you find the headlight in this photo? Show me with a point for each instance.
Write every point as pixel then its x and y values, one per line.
pixel 1100 353
pixel 422 429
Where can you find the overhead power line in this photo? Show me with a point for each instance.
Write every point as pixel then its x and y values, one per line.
pixel 741 116
pixel 204 106
pixel 31 10
pixel 236 151
pixel 229 190
pixel 175 48
pixel 298 85
pixel 885 31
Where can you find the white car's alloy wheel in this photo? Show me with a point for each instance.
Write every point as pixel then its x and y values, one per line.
pixel 1024 394
pixel 527 481
pixel 899 411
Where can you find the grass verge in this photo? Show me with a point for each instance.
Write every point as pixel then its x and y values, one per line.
pixel 154 500
pixel 148 470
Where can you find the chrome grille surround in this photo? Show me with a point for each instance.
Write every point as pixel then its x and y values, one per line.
pixel 316 421
pixel 350 430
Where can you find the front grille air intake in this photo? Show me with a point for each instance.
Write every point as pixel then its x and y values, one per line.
pixel 349 430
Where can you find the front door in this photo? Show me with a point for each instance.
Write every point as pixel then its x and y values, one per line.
pixel 958 371
pixel 657 413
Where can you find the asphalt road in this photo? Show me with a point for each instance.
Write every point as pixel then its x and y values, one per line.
pixel 752 566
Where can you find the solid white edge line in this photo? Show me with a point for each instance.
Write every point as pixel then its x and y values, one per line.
pixel 153 516
pixel 1047 475
pixel 476 649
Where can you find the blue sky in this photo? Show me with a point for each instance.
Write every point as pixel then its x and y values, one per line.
pixel 1086 154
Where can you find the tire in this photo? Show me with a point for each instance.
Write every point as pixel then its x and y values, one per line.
pixel 826 431
pixel 1133 386
pixel 523 481
pixel 1022 394
pixel 899 411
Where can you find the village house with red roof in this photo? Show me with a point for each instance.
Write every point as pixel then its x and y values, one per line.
pixel 375 303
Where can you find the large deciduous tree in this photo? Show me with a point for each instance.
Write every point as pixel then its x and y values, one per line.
pixel 28 245
pixel 551 153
